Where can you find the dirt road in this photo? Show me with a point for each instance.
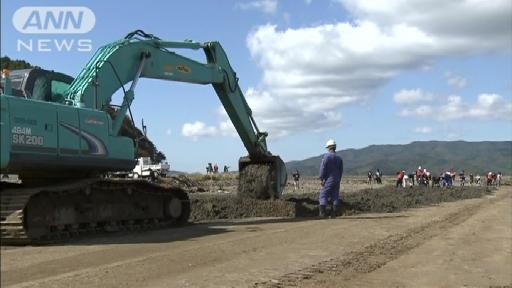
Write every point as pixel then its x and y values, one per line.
pixel 464 243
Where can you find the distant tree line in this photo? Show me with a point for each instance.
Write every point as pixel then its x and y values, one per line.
pixel 13 64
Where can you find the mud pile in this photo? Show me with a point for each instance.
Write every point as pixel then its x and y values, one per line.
pixel 228 206
pixel 256 182
pixel 382 200
pixel 390 199
pixel 387 199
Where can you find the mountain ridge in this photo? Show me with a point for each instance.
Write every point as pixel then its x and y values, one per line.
pixel 436 156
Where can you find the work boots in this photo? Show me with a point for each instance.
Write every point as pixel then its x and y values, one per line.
pixel 334 211
pixel 321 213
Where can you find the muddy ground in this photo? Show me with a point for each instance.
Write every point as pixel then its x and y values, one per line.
pixel 386 199
pixel 465 243
pixel 214 197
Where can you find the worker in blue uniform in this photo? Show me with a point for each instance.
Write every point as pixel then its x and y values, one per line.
pixel 331 171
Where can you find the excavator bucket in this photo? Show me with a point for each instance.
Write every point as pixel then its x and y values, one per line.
pixel 261 178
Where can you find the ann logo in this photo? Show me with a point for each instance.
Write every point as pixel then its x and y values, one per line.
pixel 54 20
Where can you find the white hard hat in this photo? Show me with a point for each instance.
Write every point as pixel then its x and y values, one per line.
pixel 330 143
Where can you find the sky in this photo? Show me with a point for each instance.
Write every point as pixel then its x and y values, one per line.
pixel 360 72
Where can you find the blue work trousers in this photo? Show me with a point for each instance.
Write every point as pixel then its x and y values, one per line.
pixel 330 191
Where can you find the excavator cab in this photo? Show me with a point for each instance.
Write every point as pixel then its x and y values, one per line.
pixel 261 178
pixel 39 84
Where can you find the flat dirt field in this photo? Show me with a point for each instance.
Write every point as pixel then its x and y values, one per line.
pixel 466 243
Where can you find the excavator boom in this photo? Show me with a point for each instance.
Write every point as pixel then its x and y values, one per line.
pixel 84 131
pixel 129 59
pixel 144 55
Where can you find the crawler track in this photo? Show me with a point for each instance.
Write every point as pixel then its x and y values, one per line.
pixel 56 213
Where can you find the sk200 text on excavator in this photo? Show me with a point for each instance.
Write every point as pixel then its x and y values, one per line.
pixel 57 135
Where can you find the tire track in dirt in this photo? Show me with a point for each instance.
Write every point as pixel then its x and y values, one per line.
pixel 378 254
pixel 135 255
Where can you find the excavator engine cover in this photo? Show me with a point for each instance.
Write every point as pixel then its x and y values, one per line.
pixel 261 178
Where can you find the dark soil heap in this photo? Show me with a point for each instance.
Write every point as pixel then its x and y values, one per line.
pixel 256 182
pixel 382 200
pixel 228 206
pixel 389 199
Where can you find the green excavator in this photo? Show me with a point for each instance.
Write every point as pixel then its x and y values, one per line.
pixel 59 135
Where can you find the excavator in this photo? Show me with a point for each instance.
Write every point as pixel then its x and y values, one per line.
pixel 59 136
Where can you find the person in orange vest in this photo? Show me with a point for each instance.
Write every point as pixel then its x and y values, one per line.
pixel 400 178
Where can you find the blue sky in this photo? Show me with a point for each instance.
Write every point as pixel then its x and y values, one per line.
pixel 360 72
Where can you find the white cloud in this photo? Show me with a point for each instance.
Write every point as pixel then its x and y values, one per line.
pixel 423 130
pixel 226 127
pixel 266 6
pixel 315 71
pixel 455 81
pixel 419 111
pixel 458 23
pixel 308 1
pixel 412 96
pixel 453 107
pixel 311 73
pixel 487 107
pixel 198 129
pixel 491 106
pixel 285 116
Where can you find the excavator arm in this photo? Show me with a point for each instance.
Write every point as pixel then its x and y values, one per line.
pixel 114 65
